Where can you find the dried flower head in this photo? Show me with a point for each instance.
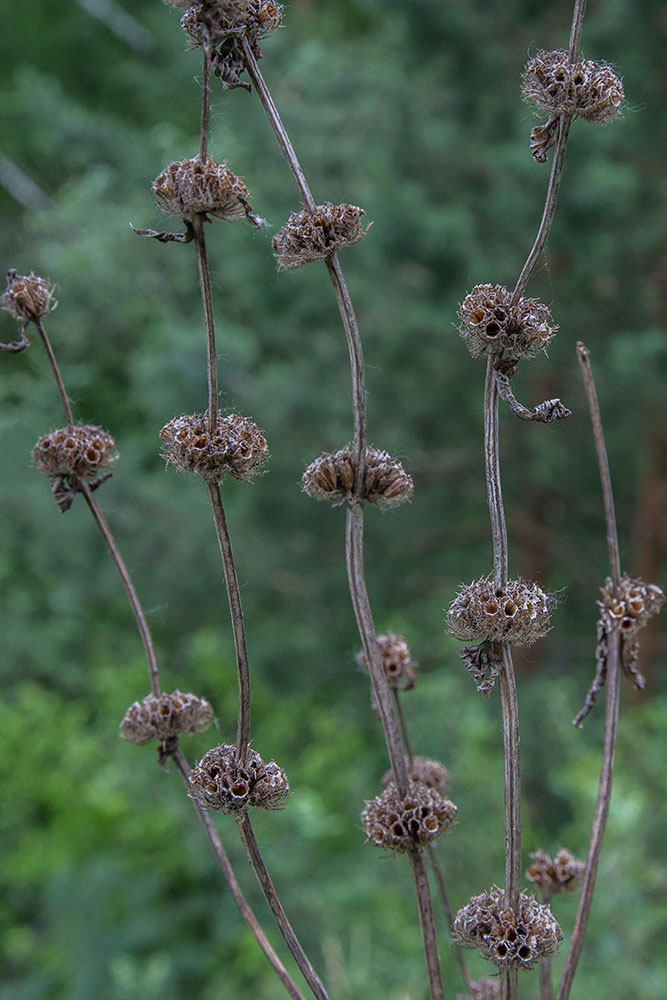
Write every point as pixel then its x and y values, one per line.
pixel 396 659
pixel 74 451
pixel 586 88
pixel 160 718
pixel 236 447
pixel 220 781
pixel 490 324
pixel 516 613
pixel 332 477
pixel 403 823
pixel 483 989
pixel 502 937
pixel 420 769
pixel 217 21
pixel 630 605
pixel 27 297
pixel 316 235
pixel 202 187
pixel 563 874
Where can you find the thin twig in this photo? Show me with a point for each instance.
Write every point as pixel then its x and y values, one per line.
pixel 207 303
pixel 575 31
pixel 56 372
pixel 257 864
pixel 427 924
pixel 493 484
pixel 546 990
pixel 510 712
pixel 444 899
pixel 402 725
pixel 205 103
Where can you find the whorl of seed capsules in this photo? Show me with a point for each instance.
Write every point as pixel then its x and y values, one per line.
pixel 236 447
pixel 631 605
pixel 586 88
pixel 310 236
pixel 74 451
pixel 420 769
pixel 27 297
pixel 332 477
pixel 160 718
pixel 483 989
pixel 396 659
pixel 219 781
pixel 516 613
pixel 401 824
pixel 563 874
pixel 194 187
pixel 218 20
pixel 504 939
pixel 490 324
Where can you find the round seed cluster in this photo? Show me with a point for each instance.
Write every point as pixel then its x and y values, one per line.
pixel 310 236
pixel 490 324
pixel 236 447
pixel 190 187
pixel 516 613
pixel 630 606
pixel 402 824
pixel 221 19
pixel 483 989
pixel 160 718
pixel 586 88
pixel 219 781
pixel 396 660
pixel 74 451
pixel 563 874
pixel 332 477
pixel 428 772
pixel 504 939
pixel 27 297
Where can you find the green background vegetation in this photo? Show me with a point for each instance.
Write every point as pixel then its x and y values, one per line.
pixel 413 112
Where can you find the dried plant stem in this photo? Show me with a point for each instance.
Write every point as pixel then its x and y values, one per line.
pixel 205 102
pixel 546 992
pixel 444 899
pixel 493 484
pixel 56 372
pixel 207 303
pixel 427 924
pixel 575 31
pixel 234 888
pixel 236 613
pixel 271 896
pixel 402 725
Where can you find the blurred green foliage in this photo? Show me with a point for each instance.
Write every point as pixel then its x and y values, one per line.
pixel 412 112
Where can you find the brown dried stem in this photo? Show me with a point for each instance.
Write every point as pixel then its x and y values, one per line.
pixel 207 303
pixel 56 372
pixel 205 102
pixel 444 899
pixel 427 924
pixel 575 31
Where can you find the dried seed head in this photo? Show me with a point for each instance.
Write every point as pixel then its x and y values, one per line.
pixel 631 605
pixel 160 718
pixel 401 824
pixel 310 236
pixel 483 989
pixel 396 659
pixel 220 21
pixel 219 781
pixel 195 187
pixel 504 939
pixel 586 88
pixel 332 477
pixel 420 769
pixel 27 297
pixel 516 613
pixel 490 324
pixel 236 447
pixel 74 451
pixel 563 874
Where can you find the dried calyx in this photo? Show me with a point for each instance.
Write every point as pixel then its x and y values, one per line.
pixel 333 477
pixel 188 188
pixel 165 716
pixel 404 823
pixel 490 324
pixel 317 235
pixel 27 297
pixel 221 781
pixel 589 89
pixel 80 451
pixel 396 659
pixel 235 447
pixel 562 874
pixel 421 769
pixel 515 941
pixel 517 613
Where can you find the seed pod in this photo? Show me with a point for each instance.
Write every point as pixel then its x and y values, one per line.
pixel 218 21
pixel 490 324
pixel 401 824
pixel 74 451
pixel 236 447
pixel 516 613
pixel 333 476
pixel 161 718
pixel 630 605
pixel 420 769
pixel 27 297
pixel 219 781
pixel 317 235
pixel 202 187
pixel 563 874
pixel 396 659
pixel 502 937
pixel 589 89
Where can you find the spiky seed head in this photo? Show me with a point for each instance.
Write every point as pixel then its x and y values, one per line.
pixel 396 658
pixel 490 324
pixel 483 989
pixel 220 781
pixel 333 477
pixel 420 769
pixel 402 823
pixel 630 605
pixel 317 235
pixel 217 21
pixel 236 446
pixel 74 451
pixel 201 187
pixel 505 938
pixel 161 718
pixel 562 874
pixel 27 297
pixel 517 613
pixel 587 88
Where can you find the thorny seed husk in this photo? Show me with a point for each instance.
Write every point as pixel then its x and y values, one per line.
pixel 333 477
pixel 80 451
pixel 517 613
pixel 587 88
pixel 317 235
pixel 236 447
pixel 399 668
pixel 220 25
pixel 166 716
pixel 219 781
pixel 27 297
pixel 562 874
pixel 423 770
pixel 203 187
pixel 401 824
pixel 504 939
pixel 490 324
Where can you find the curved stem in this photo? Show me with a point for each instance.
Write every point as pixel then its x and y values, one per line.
pixel 207 303
pixel 56 372
pixel 427 924
pixel 257 864
pixel 236 614
pixel 142 624
pixel 493 484
pixel 228 874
